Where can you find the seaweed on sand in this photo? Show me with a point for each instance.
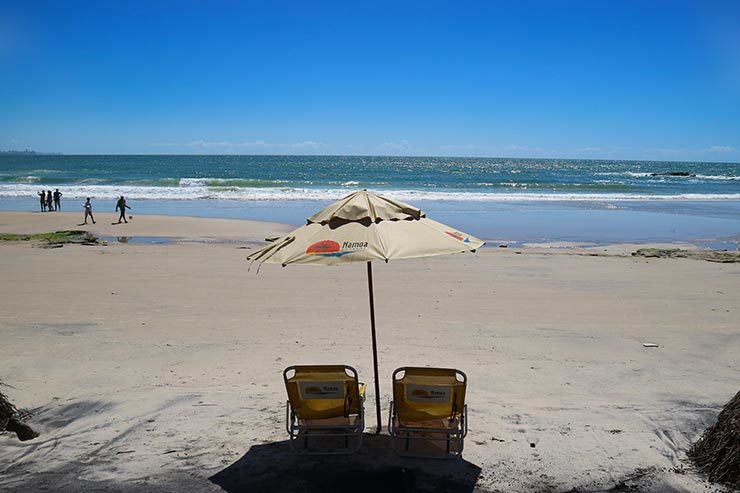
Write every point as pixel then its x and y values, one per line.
pixel 11 419
pixel 54 238
pixel 721 256
pixel 717 452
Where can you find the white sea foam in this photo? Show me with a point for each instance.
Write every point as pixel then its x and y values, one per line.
pixel 665 175
pixel 195 191
pixel 29 179
pixel 633 174
pixel 226 182
pixel 717 177
pixel 192 182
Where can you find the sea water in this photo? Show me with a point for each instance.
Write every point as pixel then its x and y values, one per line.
pixel 495 198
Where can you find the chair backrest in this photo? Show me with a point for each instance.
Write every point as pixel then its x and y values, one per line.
pixel 322 391
pixel 421 394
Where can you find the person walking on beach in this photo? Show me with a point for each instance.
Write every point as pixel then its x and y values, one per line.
pixel 42 199
pixel 88 210
pixel 49 204
pixel 121 204
pixel 57 200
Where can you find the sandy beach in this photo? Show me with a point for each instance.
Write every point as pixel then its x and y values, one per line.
pixel 157 367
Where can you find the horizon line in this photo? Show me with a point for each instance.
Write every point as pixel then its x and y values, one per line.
pixel 48 154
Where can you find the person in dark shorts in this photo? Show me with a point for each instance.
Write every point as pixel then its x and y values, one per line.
pixel 49 202
pixel 42 200
pixel 88 210
pixel 57 200
pixel 121 204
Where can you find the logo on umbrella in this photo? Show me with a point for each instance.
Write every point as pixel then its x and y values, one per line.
pixel 458 236
pixel 326 248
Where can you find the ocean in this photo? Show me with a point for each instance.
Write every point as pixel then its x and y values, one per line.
pixel 514 200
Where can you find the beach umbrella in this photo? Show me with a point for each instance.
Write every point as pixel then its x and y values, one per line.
pixel 363 227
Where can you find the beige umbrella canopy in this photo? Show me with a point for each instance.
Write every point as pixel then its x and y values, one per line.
pixel 363 227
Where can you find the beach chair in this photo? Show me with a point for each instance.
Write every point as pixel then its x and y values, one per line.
pixel 325 405
pixel 428 415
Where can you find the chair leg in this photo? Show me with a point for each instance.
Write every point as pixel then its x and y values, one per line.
pixel 408 441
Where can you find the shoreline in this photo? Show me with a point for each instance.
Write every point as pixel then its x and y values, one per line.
pixel 713 225
pixel 152 229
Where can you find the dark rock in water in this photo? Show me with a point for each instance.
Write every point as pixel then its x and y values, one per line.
pixel 674 173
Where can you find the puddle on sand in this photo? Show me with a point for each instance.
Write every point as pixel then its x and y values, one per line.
pixel 140 240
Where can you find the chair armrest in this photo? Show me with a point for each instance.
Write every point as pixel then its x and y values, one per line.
pixel 465 421
pixel 288 416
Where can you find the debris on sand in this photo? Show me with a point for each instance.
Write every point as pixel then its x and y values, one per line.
pixel 11 419
pixel 721 256
pixel 717 452
pixel 54 239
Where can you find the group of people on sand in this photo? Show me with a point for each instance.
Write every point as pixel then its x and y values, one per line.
pixel 53 202
pixel 120 206
pixel 50 202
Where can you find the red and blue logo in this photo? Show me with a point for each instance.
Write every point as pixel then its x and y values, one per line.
pixel 331 248
pixel 326 248
pixel 458 236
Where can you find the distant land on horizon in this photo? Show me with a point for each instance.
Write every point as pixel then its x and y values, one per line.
pixel 28 152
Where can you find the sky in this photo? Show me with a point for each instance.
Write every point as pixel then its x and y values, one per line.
pixel 656 80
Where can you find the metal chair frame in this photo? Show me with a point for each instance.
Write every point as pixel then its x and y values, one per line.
pixel 400 432
pixel 298 432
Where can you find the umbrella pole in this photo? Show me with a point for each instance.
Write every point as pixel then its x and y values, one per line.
pixel 375 344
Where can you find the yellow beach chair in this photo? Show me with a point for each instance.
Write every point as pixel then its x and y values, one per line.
pixel 428 416
pixel 325 403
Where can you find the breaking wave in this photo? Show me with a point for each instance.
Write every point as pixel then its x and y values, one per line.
pixel 662 175
pixel 204 189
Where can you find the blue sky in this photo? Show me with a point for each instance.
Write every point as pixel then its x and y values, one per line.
pixel 593 79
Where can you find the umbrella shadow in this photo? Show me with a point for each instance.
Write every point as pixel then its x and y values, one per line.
pixel 375 467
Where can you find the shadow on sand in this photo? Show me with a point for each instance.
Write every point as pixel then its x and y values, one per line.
pixel 375 467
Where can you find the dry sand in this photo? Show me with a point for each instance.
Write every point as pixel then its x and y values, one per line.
pixel 158 367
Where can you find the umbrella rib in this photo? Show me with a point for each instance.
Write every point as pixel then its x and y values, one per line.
pixel 266 254
pixel 380 240
pixel 371 208
pixel 373 224
pixel 338 207
pixel 267 249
